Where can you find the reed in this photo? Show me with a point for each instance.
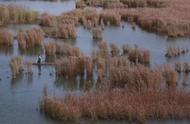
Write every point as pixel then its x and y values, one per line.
pixel 47 20
pixel 103 50
pixel 172 52
pixel 6 38
pixel 186 67
pixel 16 14
pixel 110 17
pixel 16 65
pixel 139 55
pixel 73 66
pixel 137 78
pixel 115 51
pixel 170 76
pixel 97 33
pixel 119 105
pixel 50 49
pixel 29 67
pixel 30 38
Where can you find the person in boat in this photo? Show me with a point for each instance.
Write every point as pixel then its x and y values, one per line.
pixel 39 59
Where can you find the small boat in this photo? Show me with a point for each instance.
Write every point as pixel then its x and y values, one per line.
pixel 43 64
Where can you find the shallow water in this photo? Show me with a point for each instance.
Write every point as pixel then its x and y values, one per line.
pixel 54 8
pixel 19 99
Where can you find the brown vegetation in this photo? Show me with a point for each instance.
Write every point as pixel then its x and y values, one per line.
pixel 175 52
pixel 16 14
pixel 171 20
pixel 62 31
pixel 6 38
pixel 97 33
pixel 16 65
pixel 119 105
pixel 30 38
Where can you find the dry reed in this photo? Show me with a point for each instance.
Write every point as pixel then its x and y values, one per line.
pixel 119 105
pixel 97 33
pixel 16 65
pixel 6 38
pixel 16 14
pixel 30 38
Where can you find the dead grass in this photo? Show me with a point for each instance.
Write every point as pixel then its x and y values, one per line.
pixel 97 33
pixel 64 31
pixel 173 52
pixel 110 17
pixel 138 55
pixel 171 20
pixel 47 20
pixel 16 65
pixel 74 66
pixel 16 14
pixel 30 38
pixel 115 50
pixel 6 38
pixel 119 105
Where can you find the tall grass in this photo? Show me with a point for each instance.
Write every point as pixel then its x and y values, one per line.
pixel 47 20
pixel 30 38
pixel 6 38
pixel 119 105
pixel 16 14
pixel 115 51
pixel 16 65
pixel 110 17
pixel 74 66
pixel 97 33
pixel 62 49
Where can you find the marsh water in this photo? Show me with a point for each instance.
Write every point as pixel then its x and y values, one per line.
pixel 20 98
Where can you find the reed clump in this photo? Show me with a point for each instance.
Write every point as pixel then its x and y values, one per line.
pixel 110 17
pixel 47 20
pixel 16 14
pixel 6 38
pixel 170 76
pixel 30 38
pixel 138 55
pixel 16 65
pixel 73 66
pixel 64 31
pixel 137 78
pixel 173 52
pixel 50 49
pixel 97 33
pixel 119 105
pixel 115 51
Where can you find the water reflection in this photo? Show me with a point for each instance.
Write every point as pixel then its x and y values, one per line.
pixel 6 50
pixel 73 84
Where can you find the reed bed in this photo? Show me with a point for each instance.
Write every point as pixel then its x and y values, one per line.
pixel 73 66
pixel 16 65
pixel 137 55
pixel 62 49
pixel 65 31
pixel 172 52
pixel 157 20
pixel 122 3
pixel 182 67
pixel 47 20
pixel 16 14
pixel 119 105
pixel 6 38
pixel 110 17
pixel 30 38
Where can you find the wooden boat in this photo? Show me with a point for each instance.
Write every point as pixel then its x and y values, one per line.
pixel 43 64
